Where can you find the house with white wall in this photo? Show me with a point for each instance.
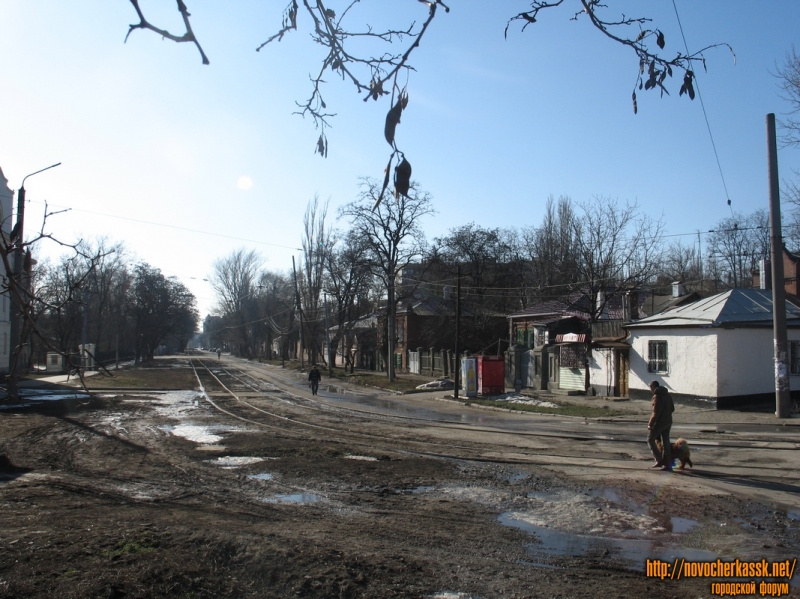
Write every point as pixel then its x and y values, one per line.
pixel 6 197
pixel 718 349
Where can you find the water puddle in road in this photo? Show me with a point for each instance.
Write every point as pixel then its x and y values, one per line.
pixel 517 477
pixel 261 476
pixel 365 458
pixel 599 523
pixel 191 432
pixel 793 515
pixel 231 461
pixel 632 551
pixel 300 498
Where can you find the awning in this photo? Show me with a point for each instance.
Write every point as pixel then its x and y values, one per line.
pixel 611 344
pixel 571 338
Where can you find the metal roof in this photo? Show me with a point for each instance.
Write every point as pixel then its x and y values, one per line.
pixel 735 307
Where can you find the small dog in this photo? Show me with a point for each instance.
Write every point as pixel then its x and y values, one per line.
pixel 680 452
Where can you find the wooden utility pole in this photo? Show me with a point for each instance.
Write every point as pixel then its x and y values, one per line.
pixel 328 339
pixel 782 395
pixel 457 366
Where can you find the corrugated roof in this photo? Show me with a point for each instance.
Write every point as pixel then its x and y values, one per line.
pixel 733 307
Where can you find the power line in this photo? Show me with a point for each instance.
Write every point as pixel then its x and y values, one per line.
pixel 147 222
pixel 705 115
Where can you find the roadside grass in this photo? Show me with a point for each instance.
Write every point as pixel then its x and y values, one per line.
pixel 144 377
pixel 132 547
pixel 565 409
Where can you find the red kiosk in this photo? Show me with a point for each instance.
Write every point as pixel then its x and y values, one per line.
pixel 491 375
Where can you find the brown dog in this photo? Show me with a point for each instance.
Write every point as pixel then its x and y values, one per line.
pixel 680 452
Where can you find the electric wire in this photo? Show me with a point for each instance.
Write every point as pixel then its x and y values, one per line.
pixel 705 114
pixel 147 222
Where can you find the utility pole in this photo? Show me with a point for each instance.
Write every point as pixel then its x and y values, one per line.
pixel 17 297
pixel 300 310
pixel 782 395
pixel 328 339
pixel 457 368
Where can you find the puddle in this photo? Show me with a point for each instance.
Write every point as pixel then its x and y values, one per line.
pixel 198 434
pixel 416 490
pixel 261 476
pixel 675 524
pixel 452 595
pixel 230 461
pixel 176 404
pixel 794 515
pixel 301 498
pixel 517 477
pixel 365 458
pixel 682 525
pixel 632 551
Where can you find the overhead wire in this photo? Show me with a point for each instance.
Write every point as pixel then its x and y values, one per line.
pixel 705 114
pixel 147 222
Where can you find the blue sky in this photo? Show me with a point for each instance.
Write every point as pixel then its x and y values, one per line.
pixel 494 126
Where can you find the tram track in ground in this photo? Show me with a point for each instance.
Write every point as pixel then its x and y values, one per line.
pixel 352 433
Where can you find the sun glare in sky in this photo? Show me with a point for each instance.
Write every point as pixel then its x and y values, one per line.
pixel 244 183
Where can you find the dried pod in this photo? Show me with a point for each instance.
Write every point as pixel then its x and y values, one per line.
pixel 402 177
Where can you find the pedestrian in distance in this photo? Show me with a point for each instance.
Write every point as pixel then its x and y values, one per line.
pixel 219 354
pixel 659 426
pixel 314 378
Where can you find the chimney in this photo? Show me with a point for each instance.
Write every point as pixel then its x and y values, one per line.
pixel 764 274
pixel 633 302
pixel 677 289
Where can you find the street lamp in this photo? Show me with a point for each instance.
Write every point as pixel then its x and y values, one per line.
pixel 17 300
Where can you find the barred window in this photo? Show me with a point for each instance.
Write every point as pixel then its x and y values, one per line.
pixel 657 356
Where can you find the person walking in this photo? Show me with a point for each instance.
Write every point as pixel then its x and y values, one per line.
pixel 314 378
pixel 219 354
pixel 659 426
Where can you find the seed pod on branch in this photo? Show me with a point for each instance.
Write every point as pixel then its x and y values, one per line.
pixel 393 117
pixel 402 178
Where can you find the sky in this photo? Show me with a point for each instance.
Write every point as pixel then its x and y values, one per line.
pixel 185 163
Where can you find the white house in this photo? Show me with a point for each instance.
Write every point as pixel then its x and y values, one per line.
pixel 6 197
pixel 719 348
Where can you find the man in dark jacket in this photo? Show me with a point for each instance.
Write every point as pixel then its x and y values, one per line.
pixel 314 377
pixel 659 425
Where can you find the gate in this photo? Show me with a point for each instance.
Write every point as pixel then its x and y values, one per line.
pixel 528 369
pixel 413 362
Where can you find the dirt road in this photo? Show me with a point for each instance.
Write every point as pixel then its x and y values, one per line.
pixel 198 478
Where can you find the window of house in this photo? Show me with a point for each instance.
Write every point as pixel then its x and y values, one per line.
pixel 794 357
pixel 657 356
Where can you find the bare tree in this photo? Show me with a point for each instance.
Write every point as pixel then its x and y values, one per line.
pixel 736 245
pixel 235 280
pixel 618 249
pixel 789 82
pixel 162 307
pixel 393 238
pixel 348 282
pixel 316 247
pixel 551 250
pixel 683 263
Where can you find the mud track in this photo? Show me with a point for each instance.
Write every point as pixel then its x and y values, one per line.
pixel 237 484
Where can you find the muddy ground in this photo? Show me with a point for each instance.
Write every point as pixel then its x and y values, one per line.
pixel 136 493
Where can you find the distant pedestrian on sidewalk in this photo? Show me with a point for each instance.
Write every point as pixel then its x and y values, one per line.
pixel 314 378
pixel 219 354
pixel 659 426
